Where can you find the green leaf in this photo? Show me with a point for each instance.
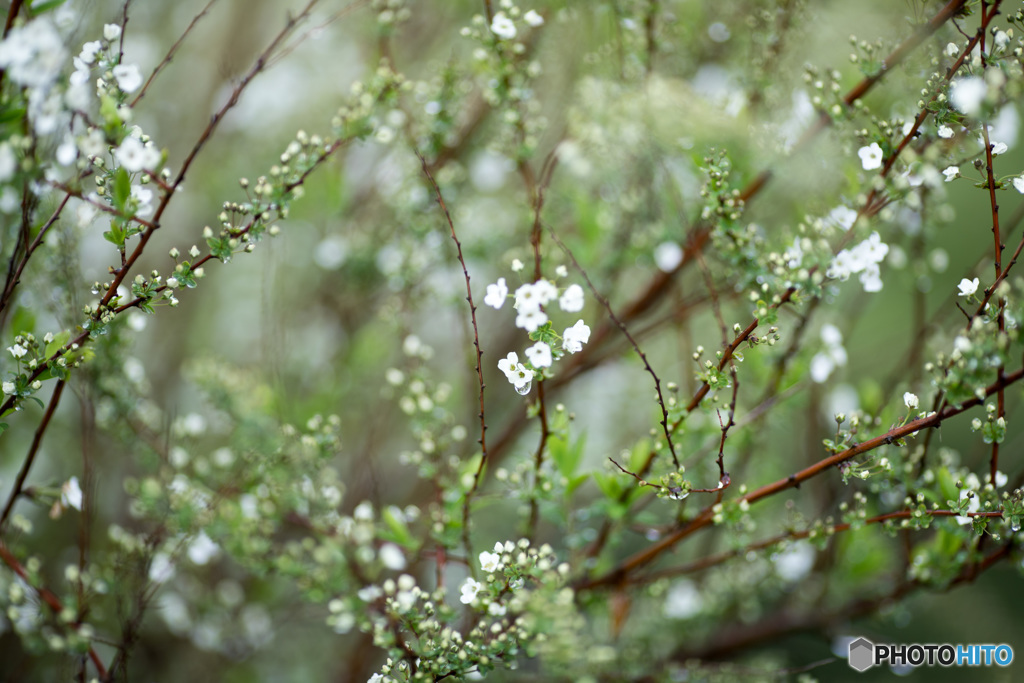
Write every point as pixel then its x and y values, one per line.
pixel 3 427
pixel 59 340
pixel 23 321
pixel 122 188
pixel 33 398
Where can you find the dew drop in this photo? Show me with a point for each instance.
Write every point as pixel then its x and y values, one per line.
pixel 525 389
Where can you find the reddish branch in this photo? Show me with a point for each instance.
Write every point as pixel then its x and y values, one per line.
pixel 479 355
pixel 627 567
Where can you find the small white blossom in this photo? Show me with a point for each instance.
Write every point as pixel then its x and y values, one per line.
pixel 111 32
pixel 967 94
pixel 469 590
pixel 870 156
pixel 490 562
pixel 71 494
pixel 8 388
pixel 1018 184
pixel 843 217
pixel 572 300
pixel 496 294
pixel 968 287
pixel 668 256
pixel 202 549
pixel 951 173
pixel 392 557
pixel 952 49
pixel 18 351
pixel 682 601
pixel 910 400
pixel 194 251
pixel 539 355
pixel 128 77
pixel 517 265
pixel 533 19
pixel 531 319
pixel 575 337
pixel 945 132
pixel 503 27
pixel 508 364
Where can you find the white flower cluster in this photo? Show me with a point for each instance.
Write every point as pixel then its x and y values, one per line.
pixel 530 299
pixel 864 259
pixel 503 26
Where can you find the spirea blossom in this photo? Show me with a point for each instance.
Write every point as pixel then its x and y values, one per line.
pixel 33 55
pixel 968 287
pixel 572 299
pixel 870 156
pixel 967 94
pixel 910 400
pixel 575 337
pixel 128 77
pixel 469 590
pixel 503 27
pixel 539 355
pixel 496 294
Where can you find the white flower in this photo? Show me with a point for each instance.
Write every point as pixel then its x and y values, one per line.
pixel 795 562
pixel 521 378
pixel 128 77
pixel 945 132
pixel 8 388
pixel 951 173
pixel 89 51
pixel 545 291
pixel 392 557
pixel 33 55
pixel 831 336
pixel 968 287
pixel 967 94
pixel 202 549
pixel 871 278
pixel 508 364
pixel 572 299
pixel 496 294
pixel 71 494
pixel 111 32
pixel 539 355
pixel 999 148
pixel 682 601
pixel 870 156
pixel 910 400
pixel 528 298
pixel 561 271
pixel 1018 184
pixel 517 265
pixel 531 319
pixel 131 154
pixel 843 217
pixel 668 256
pixel 18 351
pixel 952 49
pixel 490 562
pixel 575 337
pixel 533 19
pixel 469 590
pixel 194 251
pixel 503 27
pixel 821 367
pixel 496 610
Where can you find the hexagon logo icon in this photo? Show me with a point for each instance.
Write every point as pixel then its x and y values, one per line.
pixel 862 654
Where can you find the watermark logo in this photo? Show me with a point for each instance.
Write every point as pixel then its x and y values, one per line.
pixel 863 654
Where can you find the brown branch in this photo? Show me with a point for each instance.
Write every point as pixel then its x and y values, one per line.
pixel 170 53
pixel 33 450
pixel 642 558
pixel 479 356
